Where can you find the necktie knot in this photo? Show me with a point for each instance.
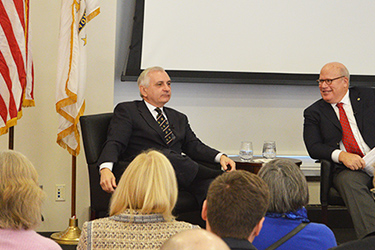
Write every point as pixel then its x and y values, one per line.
pixel 159 111
pixel 339 105
pixel 164 125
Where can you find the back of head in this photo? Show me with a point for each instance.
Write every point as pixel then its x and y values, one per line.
pixel 287 184
pixel 236 202
pixel 20 195
pixel 148 185
pixel 195 239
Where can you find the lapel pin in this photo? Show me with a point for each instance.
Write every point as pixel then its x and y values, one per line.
pixel 358 99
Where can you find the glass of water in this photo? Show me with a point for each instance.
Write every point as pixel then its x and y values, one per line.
pixel 246 151
pixel 269 149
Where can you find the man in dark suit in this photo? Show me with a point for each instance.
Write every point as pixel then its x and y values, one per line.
pixel 325 138
pixel 135 128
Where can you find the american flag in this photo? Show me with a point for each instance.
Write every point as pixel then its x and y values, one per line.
pixel 16 64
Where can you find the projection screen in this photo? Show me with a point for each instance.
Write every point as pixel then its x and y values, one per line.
pixel 249 41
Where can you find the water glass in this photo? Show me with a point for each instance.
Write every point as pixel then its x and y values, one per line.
pixel 246 151
pixel 269 149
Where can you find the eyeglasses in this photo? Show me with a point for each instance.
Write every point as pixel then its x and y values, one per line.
pixel 328 81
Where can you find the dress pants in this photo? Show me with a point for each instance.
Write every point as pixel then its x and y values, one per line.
pixel 354 187
pixel 202 181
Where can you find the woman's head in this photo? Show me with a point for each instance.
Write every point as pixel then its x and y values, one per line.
pixel 148 185
pixel 20 195
pixel 287 185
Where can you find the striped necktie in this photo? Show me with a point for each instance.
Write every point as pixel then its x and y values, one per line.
pixel 348 139
pixel 164 125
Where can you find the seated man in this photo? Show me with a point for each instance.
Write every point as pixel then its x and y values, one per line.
pixel 194 239
pixel 340 128
pixel 140 125
pixel 235 207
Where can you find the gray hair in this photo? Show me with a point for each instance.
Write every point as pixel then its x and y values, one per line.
pixel 287 184
pixel 345 72
pixel 144 78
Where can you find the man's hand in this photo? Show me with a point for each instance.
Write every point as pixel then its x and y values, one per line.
pixel 352 161
pixel 107 180
pixel 225 161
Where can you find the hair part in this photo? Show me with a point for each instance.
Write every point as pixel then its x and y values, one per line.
pixel 148 185
pixel 287 184
pixel 20 195
pixel 236 202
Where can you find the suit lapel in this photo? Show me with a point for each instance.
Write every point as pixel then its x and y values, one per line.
pixel 150 120
pixel 356 103
pixel 330 113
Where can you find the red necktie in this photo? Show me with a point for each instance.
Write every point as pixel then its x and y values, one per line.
pixel 348 139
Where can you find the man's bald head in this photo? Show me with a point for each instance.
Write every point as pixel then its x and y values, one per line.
pixel 195 239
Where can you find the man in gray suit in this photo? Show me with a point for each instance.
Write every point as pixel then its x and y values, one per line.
pixel 340 128
pixel 140 125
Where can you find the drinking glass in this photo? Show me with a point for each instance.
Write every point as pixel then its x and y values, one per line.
pixel 246 151
pixel 269 149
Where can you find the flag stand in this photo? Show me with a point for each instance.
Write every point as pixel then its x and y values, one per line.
pixel 70 236
pixel 11 138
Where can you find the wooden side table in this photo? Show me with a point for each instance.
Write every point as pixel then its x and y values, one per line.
pixel 253 166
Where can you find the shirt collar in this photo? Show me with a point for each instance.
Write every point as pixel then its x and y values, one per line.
pixel 152 108
pixel 345 100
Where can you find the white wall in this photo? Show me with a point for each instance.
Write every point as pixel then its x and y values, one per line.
pixel 35 134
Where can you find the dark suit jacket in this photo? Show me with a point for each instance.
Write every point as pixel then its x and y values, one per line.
pixel 322 129
pixel 133 129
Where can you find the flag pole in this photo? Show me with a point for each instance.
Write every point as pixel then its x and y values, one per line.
pixel 74 179
pixel 70 236
pixel 11 138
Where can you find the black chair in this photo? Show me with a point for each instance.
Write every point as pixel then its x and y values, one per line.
pixel 94 133
pixel 329 196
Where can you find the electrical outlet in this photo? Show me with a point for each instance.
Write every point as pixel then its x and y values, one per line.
pixel 60 192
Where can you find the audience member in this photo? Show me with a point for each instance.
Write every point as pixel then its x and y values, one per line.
pixel 140 125
pixel 289 196
pixel 140 209
pixel 20 204
pixel 195 239
pixel 340 128
pixel 235 207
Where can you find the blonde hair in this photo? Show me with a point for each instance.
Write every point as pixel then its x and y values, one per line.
pixel 20 195
pixel 148 185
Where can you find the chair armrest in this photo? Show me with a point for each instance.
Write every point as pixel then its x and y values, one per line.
pixel 325 181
